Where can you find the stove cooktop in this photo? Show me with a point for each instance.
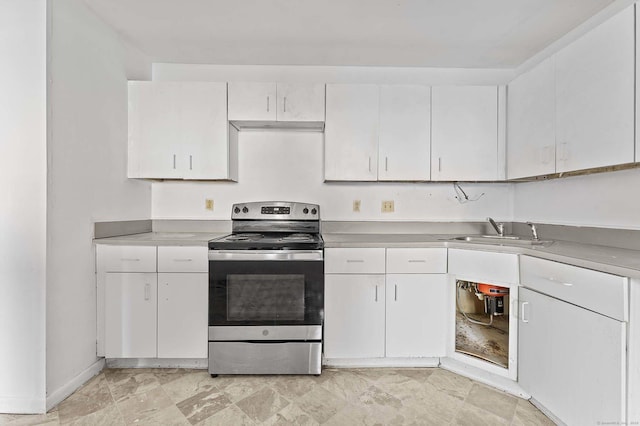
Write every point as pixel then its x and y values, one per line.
pixel 267 241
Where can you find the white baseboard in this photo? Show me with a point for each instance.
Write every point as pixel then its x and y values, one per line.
pixel 59 395
pixel 380 362
pixel 480 375
pixel 548 413
pixel 195 363
pixel 22 405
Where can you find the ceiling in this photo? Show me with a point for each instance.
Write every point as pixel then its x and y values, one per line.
pixel 407 33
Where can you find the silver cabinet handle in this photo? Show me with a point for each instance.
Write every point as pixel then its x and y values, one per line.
pixel 522 312
pixel 147 291
pixel 183 260
pixel 417 261
pixel 355 261
pixel 386 164
pixel 267 103
pixel 285 105
pixel 396 292
pixel 439 164
pixel 560 282
pixel 174 161
pixel 129 259
pixel 191 162
pixel 369 163
pixel 376 299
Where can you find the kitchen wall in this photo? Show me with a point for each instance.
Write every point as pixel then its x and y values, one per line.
pixel 288 165
pixel 603 200
pixel 23 201
pixel 86 181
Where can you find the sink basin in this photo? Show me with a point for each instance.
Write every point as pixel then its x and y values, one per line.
pixel 506 239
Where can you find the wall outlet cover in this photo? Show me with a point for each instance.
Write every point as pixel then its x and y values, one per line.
pixel 356 206
pixel 387 206
pixel 208 204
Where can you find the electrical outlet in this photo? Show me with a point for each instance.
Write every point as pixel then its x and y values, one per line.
pixel 208 204
pixel 387 206
pixel 356 206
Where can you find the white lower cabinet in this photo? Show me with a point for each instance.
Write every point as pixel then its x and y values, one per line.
pixel 572 360
pixel 354 316
pixel 130 315
pixel 415 314
pixel 182 315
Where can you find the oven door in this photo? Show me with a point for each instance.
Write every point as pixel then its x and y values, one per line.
pixel 265 288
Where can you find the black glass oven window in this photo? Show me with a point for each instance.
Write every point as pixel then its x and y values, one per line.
pixel 261 297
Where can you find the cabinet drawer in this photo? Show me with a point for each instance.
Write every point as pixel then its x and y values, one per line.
pixel 482 266
pixel 126 258
pixel 416 261
pixel 597 291
pixel 182 259
pixel 354 260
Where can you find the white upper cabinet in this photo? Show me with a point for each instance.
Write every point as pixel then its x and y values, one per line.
pixel 404 142
pixel 464 133
pixel 252 101
pixel 255 105
pixel 351 132
pixel 595 97
pixel 179 131
pixel 531 135
pixel 300 102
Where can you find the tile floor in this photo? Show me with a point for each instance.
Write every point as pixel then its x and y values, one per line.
pixel 416 396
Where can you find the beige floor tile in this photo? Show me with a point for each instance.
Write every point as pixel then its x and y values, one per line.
pixel 291 415
pixel 90 398
pixel 293 386
pixel 432 406
pixel 496 402
pixel 263 404
pixel 320 404
pixel 232 415
pixel 450 383
pixel 107 416
pixel 139 406
pixel 418 374
pixel 124 382
pixel 528 415
pixel 470 415
pixel 49 419
pixel 203 405
pixel 239 387
pixel 170 416
pixel 185 386
pixel 347 385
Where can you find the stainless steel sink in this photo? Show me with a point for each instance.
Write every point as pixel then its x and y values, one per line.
pixel 505 239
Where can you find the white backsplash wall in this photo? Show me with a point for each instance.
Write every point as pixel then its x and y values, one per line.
pixel 602 200
pixel 288 166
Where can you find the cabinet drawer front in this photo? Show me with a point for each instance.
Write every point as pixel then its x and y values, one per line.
pixel 597 291
pixel 483 266
pixel 182 259
pixel 126 258
pixel 416 260
pixel 354 260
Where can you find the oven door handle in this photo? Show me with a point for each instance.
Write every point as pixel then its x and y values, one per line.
pixel 277 255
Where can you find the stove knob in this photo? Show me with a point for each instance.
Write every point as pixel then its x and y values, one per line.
pixel 314 211
pixel 305 210
pixel 236 210
pixel 245 209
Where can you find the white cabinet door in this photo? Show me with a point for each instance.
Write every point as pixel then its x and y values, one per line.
pixel 351 132
pixel 249 101
pixel 354 316
pixel 130 315
pixel 405 133
pixel 464 133
pixel 571 360
pixel 300 102
pixel 178 130
pixel 182 315
pixel 416 315
pixel 154 130
pixel 595 97
pixel 531 137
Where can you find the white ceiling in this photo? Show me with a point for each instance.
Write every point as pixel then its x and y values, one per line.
pixel 415 33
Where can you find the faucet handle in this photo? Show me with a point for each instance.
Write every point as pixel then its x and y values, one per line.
pixel 534 231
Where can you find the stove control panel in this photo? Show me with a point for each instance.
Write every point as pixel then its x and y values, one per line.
pixel 276 210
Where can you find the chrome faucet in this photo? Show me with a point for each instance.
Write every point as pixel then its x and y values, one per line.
pixel 499 227
pixel 534 231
